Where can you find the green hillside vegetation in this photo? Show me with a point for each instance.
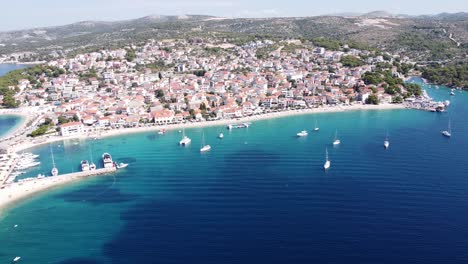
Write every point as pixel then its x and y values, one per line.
pixel 455 75
pixel 32 74
pixel 351 61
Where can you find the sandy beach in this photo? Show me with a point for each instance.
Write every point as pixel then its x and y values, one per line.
pixel 25 117
pixel 17 191
pixel 122 131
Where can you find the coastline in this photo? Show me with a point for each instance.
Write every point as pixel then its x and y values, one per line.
pixel 135 130
pixel 24 120
pixel 19 191
pixel 23 63
pixel 11 193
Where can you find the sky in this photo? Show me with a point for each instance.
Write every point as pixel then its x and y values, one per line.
pixel 21 14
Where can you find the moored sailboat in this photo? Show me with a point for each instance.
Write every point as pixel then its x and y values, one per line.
pixel 204 147
pixel 386 142
pixel 54 170
pixel 327 164
pixel 185 140
pixel 336 142
pixel 447 133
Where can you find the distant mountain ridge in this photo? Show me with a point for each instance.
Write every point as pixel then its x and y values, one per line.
pixel 421 37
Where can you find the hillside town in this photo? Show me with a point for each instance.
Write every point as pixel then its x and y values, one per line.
pixel 196 80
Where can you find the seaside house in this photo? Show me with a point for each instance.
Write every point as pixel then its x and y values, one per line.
pixel 72 129
pixel 163 117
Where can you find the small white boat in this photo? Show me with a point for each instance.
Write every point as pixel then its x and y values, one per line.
pixel 386 142
pixel 221 136
pixel 316 128
pixel 327 164
pixel 54 170
pixel 185 140
pixel 204 147
pixel 84 165
pixel 303 133
pixel 122 165
pixel 107 160
pixel 336 142
pixel 92 166
pixel 16 259
pixel 162 132
pixel 447 133
pixel 452 92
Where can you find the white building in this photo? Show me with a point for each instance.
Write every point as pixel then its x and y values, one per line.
pixel 71 129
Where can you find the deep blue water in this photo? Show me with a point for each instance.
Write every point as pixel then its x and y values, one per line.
pixel 260 195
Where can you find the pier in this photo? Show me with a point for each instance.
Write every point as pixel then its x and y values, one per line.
pixel 15 191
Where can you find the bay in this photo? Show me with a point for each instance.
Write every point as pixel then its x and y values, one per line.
pixel 5 68
pixel 260 195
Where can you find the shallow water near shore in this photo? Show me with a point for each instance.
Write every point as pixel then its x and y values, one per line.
pixel 260 195
pixel 8 123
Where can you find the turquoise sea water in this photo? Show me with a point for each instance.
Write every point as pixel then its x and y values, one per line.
pixel 8 122
pixel 260 195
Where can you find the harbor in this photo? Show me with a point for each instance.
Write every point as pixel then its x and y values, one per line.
pixel 12 189
pixel 15 191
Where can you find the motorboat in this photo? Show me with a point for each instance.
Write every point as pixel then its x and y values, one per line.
pixel 303 133
pixel 107 160
pixel 84 165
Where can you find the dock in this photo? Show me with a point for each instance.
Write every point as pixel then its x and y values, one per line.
pixel 15 191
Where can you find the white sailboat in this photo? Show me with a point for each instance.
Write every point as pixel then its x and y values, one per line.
pixel 54 170
pixel 386 142
pixel 316 128
pixel 122 165
pixel 336 142
pixel 92 166
pixel 327 164
pixel 204 148
pixel 185 140
pixel 221 135
pixel 448 133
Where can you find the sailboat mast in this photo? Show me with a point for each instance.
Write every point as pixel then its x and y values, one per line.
pixel 52 154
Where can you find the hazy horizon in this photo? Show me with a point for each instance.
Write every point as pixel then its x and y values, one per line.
pixel 54 12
